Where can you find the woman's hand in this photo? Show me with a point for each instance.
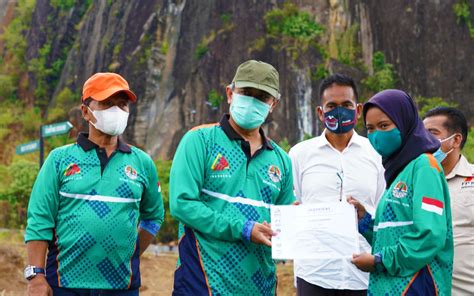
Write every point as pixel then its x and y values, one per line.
pixel 364 261
pixel 359 207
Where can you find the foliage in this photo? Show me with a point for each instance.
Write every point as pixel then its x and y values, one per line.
pixel 292 30
pixel 164 47
pixel 462 10
pixel 64 99
pixel 284 144
pixel 17 182
pixel 214 98
pixel 226 18
pixel 426 104
pixel 62 4
pixel 258 44
pixel 319 73
pixel 468 149
pixel 14 49
pixel 7 87
pixel 201 49
pixel 169 228
pixel 38 66
pixel 117 50
pixel 347 47
pixel 384 74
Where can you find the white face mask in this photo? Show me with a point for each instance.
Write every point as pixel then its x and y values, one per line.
pixel 111 121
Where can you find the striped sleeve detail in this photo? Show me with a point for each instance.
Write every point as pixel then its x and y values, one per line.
pixel 433 162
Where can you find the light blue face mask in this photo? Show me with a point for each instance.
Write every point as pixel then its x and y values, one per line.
pixel 440 155
pixel 248 112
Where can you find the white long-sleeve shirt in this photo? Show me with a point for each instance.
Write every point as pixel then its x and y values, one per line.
pixel 318 169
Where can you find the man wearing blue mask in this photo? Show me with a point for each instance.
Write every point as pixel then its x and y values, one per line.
pixel 329 168
pixel 223 180
pixel 450 126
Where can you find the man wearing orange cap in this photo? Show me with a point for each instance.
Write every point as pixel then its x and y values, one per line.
pixel 96 204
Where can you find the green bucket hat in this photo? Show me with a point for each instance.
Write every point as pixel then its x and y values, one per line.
pixel 259 75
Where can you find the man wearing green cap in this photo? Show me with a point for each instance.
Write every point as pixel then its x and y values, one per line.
pixel 224 179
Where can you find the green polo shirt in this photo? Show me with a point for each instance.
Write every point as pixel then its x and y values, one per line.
pixel 217 190
pixel 88 206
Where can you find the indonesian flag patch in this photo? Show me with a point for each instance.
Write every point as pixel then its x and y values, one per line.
pixel 432 205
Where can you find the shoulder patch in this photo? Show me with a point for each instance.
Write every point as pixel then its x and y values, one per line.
pixel 204 126
pixel 433 162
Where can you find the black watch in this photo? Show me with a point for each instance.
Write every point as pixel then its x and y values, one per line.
pixel 378 262
pixel 31 271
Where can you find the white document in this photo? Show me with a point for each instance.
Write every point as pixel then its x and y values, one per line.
pixel 314 231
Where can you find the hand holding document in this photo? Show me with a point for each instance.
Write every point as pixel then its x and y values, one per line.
pixel 314 231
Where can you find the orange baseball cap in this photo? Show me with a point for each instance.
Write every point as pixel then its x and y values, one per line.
pixel 101 86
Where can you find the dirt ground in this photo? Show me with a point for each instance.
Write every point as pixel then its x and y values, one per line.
pixel 157 272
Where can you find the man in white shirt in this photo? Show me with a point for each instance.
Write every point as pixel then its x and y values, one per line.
pixel 450 126
pixel 329 168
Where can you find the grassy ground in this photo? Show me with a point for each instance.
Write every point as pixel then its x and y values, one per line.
pixel 157 271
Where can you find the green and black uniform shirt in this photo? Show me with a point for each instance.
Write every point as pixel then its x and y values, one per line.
pixel 88 206
pixel 217 191
pixel 412 232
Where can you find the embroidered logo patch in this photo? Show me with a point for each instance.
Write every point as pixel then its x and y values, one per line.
pixel 72 169
pixel 468 182
pixel 400 190
pixel 432 205
pixel 131 172
pixel 274 173
pixel 220 163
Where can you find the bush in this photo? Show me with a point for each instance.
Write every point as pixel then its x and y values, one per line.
pixel 291 29
pixel 201 50
pixel 462 10
pixel 214 98
pixel 384 75
pixel 17 183
pixel 426 104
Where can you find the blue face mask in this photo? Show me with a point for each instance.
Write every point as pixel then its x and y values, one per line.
pixel 386 142
pixel 440 155
pixel 340 120
pixel 248 112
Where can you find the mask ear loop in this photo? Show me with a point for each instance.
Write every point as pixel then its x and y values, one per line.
pixel 448 138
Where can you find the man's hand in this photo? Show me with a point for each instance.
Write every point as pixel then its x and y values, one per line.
pixel 261 234
pixel 359 207
pixel 38 286
pixel 364 261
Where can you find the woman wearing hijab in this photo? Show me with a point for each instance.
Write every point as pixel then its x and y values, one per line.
pixel 411 234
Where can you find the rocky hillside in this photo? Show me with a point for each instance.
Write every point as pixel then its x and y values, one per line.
pixel 179 55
